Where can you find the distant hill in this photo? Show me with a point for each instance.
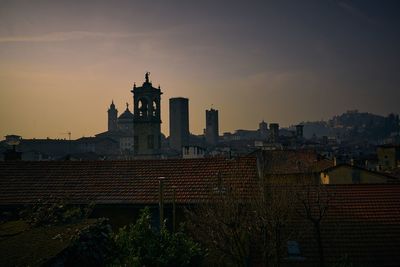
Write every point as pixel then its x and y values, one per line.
pixel 354 124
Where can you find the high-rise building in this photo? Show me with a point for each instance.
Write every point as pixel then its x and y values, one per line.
pixel 212 132
pixel 147 119
pixel 178 122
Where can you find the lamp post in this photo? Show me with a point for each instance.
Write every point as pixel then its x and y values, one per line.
pixel 161 200
pixel 174 209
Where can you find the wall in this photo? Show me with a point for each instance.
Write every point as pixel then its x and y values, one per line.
pixel 351 175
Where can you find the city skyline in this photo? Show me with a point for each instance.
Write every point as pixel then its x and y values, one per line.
pixel 64 62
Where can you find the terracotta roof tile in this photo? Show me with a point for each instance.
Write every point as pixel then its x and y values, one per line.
pixel 293 161
pixel 362 222
pixel 124 181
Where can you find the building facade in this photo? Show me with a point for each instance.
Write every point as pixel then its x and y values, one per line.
pixel 388 157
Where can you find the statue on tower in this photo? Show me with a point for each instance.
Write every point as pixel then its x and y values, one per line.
pixel 146 76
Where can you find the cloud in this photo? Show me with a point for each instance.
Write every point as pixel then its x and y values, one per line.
pixel 62 36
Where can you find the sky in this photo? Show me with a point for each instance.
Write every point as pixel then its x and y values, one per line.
pixel 63 62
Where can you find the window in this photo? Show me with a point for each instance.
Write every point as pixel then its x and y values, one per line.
pixel 154 108
pixel 143 107
pixel 150 141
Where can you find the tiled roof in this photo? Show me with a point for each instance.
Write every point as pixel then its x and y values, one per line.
pixel 362 222
pixel 134 181
pixel 293 161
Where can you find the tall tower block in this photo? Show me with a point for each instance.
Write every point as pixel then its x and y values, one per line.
pixel 178 122
pixel 212 132
pixel 147 119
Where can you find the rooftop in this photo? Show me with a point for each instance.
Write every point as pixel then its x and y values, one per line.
pixel 133 182
pixel 292 161
pixel 362 222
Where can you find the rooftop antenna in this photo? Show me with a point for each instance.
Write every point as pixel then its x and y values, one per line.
pixel 69 135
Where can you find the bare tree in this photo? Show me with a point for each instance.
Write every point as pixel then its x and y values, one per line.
pixel 244 229
pixel 313 205
pixel 274 208
pixel 223 225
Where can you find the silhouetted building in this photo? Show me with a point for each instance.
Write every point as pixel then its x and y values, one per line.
pixel 263 129
pixel 125 120
pixel 112 117
pixel 274 132
pixel 299 131
pixel 178 122
pixel 99 146
pixel 147 119
pixel 120 129
pixel 212 132
pixel 139 132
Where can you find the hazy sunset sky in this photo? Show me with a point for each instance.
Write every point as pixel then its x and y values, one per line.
pixel 62 62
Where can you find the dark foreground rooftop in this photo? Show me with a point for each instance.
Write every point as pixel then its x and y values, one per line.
pixel 132 182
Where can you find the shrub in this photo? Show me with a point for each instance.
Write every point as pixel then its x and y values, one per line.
pixel 140 245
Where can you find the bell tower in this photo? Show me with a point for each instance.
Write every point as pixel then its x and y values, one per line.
pixel 147 119
pixel 112 117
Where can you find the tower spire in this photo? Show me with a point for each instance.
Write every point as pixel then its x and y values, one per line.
pixel 112 106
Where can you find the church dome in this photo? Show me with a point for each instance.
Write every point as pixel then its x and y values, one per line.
pixel 127 115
